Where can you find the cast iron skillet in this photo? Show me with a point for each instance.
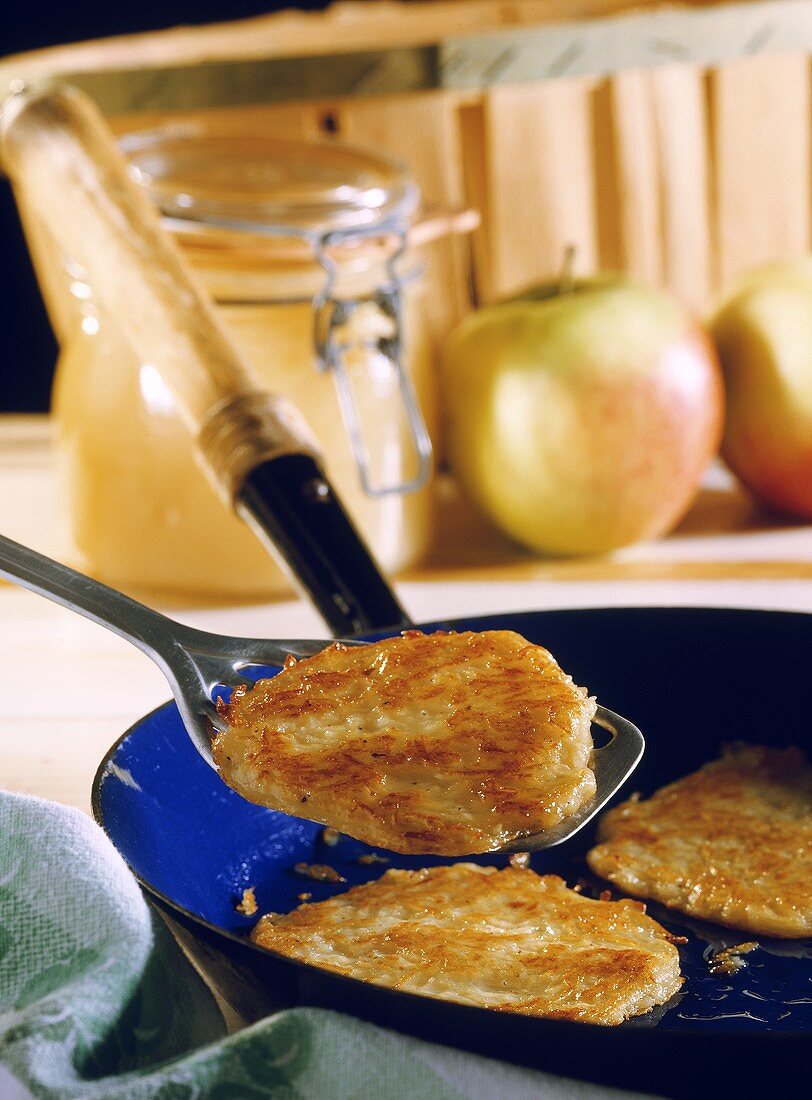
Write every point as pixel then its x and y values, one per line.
pixel 691 679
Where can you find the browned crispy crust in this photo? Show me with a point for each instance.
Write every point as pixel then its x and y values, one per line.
pixel 731 843
pixel 441 743
pixel 508 940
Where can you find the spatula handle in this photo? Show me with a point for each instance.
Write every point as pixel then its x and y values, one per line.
pixel 58 151
pixel 289 500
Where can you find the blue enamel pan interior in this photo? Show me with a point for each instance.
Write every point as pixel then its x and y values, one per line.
pixel 690 678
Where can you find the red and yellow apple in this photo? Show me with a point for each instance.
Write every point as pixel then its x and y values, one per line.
pixel 763 333
pixel 582 421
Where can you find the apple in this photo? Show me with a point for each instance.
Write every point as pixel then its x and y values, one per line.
pixel 582 421
pixel 763 333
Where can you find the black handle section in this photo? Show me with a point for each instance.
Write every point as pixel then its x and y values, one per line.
pixel 290 504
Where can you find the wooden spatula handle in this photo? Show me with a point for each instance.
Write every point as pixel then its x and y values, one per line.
pixel 58 151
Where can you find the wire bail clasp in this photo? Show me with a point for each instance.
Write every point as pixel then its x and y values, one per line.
pixel 332 318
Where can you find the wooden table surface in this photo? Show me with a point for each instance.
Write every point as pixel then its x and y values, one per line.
pixel 71 688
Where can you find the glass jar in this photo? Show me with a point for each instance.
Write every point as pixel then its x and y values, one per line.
pixel 302 247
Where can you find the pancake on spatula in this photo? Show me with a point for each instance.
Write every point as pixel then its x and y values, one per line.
pixel 426 743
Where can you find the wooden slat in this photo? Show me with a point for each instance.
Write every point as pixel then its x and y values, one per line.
pixel 651 178
pixel 679 110
pixel 346 26
pixel 610 251
pixel 761 150
pixel 638 184
pixel 539 183
pixel 474 160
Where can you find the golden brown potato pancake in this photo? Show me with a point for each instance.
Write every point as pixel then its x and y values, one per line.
pixel 509 940
pixel 426 743
pixel 731 843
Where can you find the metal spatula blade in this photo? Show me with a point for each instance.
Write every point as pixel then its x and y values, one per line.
pixel 612 764
pixel 196 662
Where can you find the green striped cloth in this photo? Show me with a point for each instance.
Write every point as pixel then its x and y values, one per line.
pixel 97 1000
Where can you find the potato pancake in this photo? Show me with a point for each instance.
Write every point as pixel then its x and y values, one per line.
pixel 426 743
pixel 509 940
pixel 731 843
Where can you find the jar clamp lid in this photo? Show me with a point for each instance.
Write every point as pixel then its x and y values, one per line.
pixel 300 200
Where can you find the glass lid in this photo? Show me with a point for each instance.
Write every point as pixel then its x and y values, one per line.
pixel 214 177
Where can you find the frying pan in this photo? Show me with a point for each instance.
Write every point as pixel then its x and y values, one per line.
pixel 692 678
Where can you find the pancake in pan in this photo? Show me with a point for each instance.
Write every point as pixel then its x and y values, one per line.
pixel 731 843
pixel 508 940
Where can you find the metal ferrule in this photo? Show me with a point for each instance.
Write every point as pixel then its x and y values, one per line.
pixel 246 431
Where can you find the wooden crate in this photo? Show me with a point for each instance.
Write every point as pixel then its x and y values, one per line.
pixel 672 142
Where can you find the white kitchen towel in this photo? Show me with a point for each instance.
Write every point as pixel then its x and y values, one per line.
pixel 97 1002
